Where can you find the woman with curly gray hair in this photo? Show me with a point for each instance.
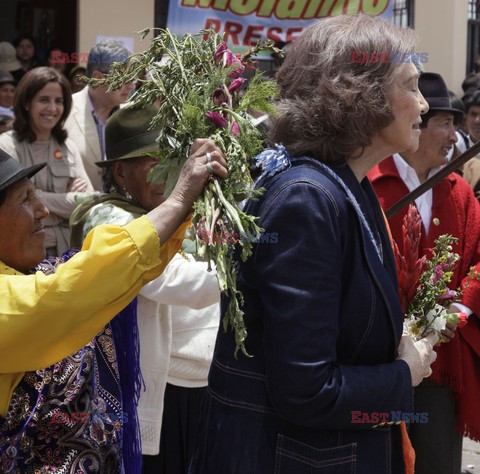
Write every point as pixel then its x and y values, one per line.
pixel 331 375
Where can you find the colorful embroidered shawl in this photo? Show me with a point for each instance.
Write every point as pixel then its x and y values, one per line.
pixel 67 418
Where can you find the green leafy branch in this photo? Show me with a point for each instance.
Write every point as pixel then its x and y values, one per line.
pixel 198 86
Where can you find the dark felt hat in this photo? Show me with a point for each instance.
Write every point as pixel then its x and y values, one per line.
pixel 76 69
pixel 12 171
pixel 433 88
pixel 128 134
pixel 6 78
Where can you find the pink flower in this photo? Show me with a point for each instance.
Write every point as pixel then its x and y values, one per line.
pixel 236 64
pixel 448 295
pixel 218 55
pixel 220 97
pixel 438 275
pixel 235 130
pixel 449 264
pixel 236 84
pixel 226 58
pixel 218 119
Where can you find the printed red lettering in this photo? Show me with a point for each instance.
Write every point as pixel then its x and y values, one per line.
pixel 232 30
pixel 250 36
pixel 356 417
pixel 212 24
pixel 293 33
pixel 56 58
pixel 384 57
pixel 356 57
pixel 272 34
pixel 58 417
pixel 384 417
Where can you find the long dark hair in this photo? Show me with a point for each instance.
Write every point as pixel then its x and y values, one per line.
pixel 32 82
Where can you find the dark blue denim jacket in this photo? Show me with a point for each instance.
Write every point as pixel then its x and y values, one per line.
pixel 324 323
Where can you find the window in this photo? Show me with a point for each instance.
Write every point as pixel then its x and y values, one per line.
pixel 473 35
pixel 161 12
pixel 473 9
pixel 403 13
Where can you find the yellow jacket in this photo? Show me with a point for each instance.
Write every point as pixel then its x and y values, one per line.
pixel 44 318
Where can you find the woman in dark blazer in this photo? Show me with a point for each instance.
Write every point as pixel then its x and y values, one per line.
pixel 321 307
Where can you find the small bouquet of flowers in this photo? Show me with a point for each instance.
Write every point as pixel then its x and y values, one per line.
pixel 423 283
pixel 199 86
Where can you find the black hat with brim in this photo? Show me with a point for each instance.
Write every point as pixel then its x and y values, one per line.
pixel 435 91
pixel 12 171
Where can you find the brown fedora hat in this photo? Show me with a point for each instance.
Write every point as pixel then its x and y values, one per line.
pixel 128 134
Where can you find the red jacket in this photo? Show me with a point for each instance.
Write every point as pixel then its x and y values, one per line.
pixel 455 211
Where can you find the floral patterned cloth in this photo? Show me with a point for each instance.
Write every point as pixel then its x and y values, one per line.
pixel 106 213
pixel 68 417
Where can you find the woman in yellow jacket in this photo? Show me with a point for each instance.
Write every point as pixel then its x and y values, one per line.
pixel 61 409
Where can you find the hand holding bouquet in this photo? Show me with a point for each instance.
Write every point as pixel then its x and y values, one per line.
pixel 197 82
pixel 423 284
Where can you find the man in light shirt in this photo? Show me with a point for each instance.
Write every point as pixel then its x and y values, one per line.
pixel 92 107
pixel 450 207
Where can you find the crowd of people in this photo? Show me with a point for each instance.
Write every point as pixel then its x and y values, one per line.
pixel 112 355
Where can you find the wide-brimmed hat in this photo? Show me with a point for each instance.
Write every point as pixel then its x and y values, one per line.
pixel 8 57
pixel 76 69
pixel 4 119
pixel 6 78
pixel 128 134
pixel 433 88
pixel 12 171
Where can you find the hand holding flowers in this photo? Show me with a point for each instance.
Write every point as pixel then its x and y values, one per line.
pixel 427 301
pixel 197 83
pixel 418 355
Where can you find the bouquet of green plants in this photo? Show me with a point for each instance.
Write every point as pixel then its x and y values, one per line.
pixel 199 86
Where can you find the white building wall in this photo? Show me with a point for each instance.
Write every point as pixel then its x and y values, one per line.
pixel 441 26
pixel 114 18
